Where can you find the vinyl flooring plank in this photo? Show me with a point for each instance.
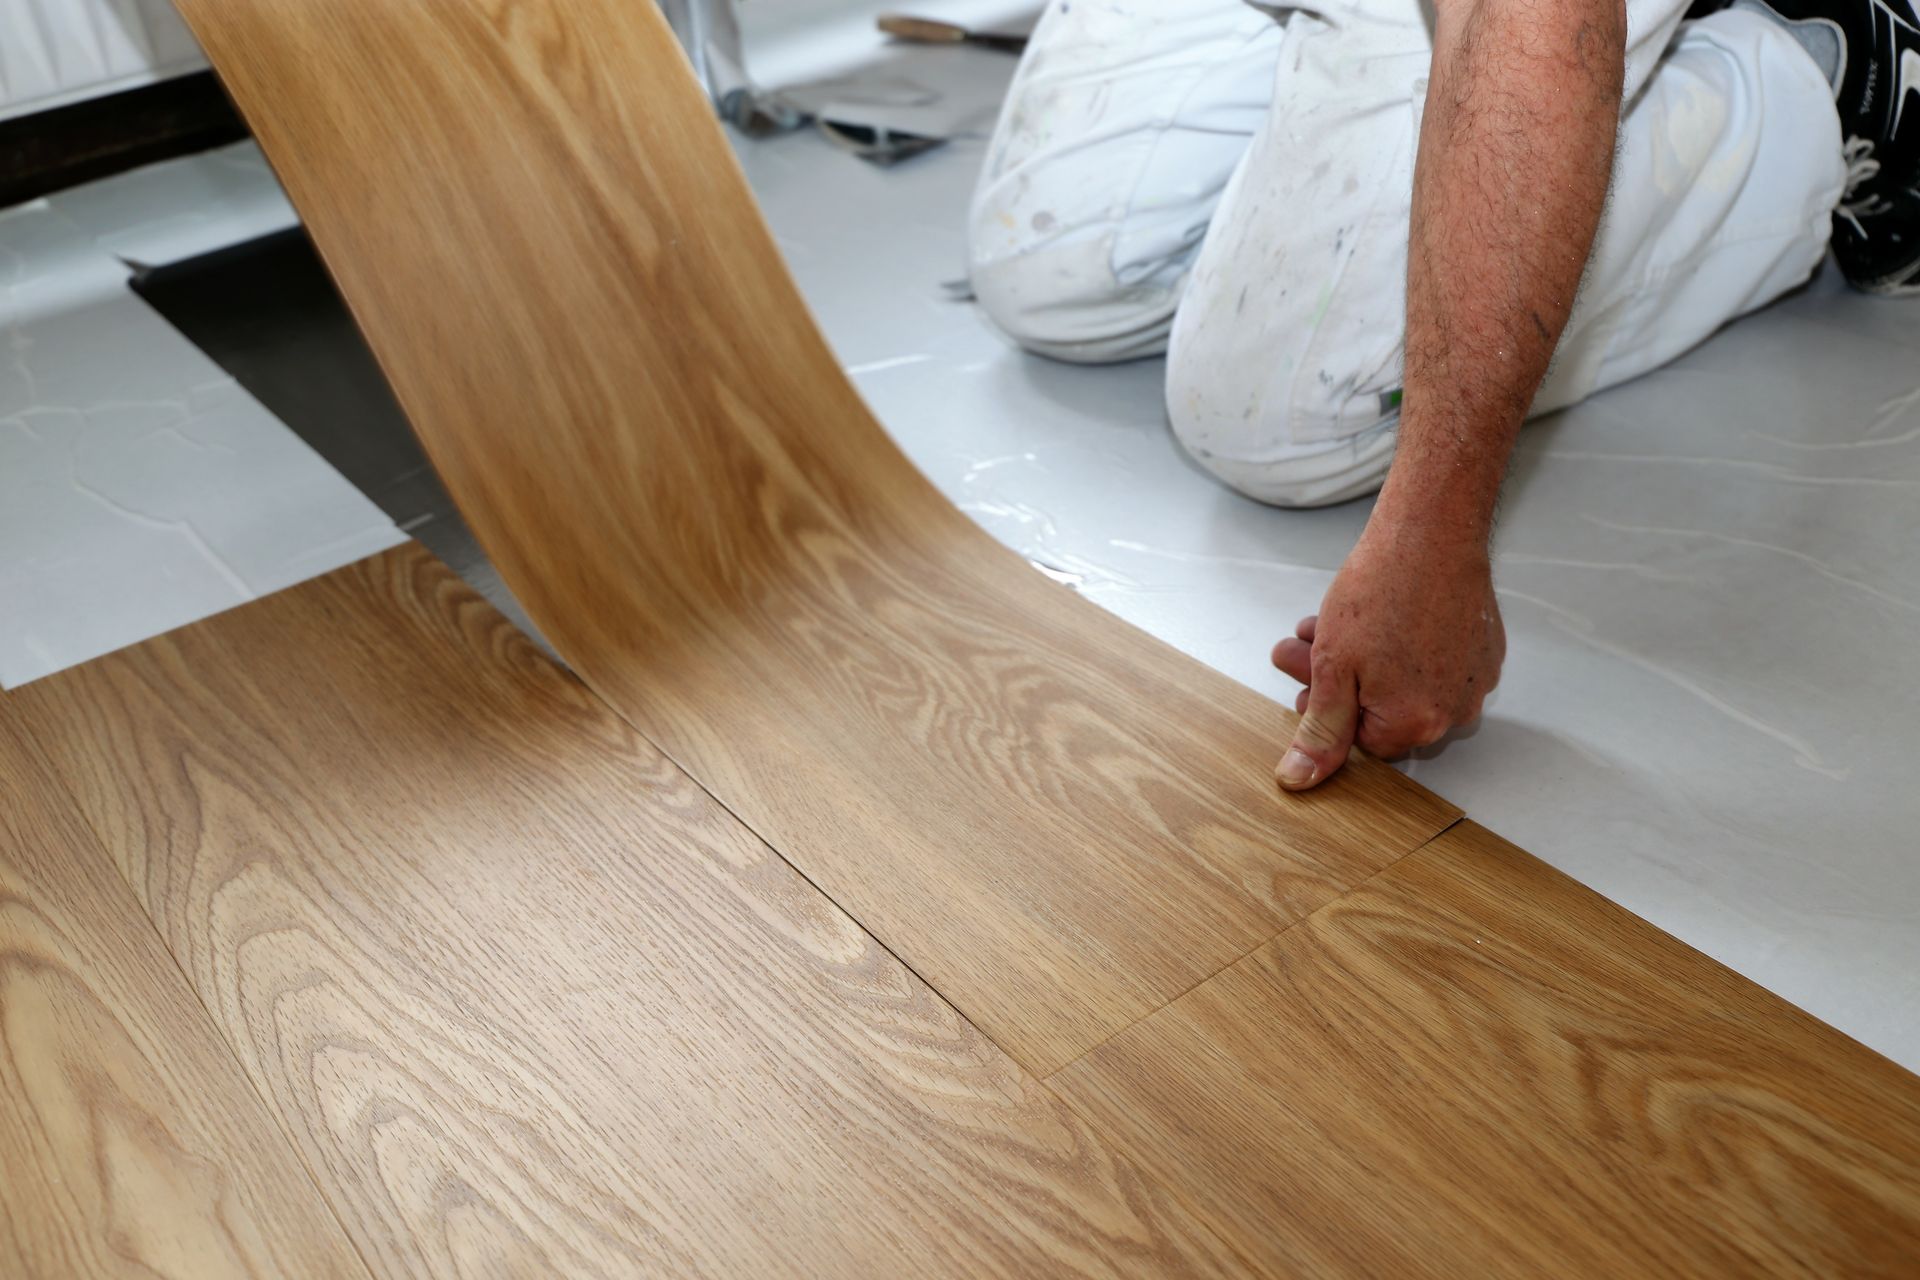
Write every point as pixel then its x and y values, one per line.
pixel 1056 820
pixel 131 1143
pixel 532 1003
pixel 1472 1065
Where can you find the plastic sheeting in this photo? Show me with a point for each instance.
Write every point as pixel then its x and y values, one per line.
pixel 140 487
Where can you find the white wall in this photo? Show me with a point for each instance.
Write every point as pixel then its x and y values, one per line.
pixel 794 40
pixel 57 51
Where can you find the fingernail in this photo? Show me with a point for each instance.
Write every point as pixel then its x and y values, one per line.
pixel 1296 768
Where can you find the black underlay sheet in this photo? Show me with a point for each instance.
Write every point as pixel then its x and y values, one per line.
pixel 267 313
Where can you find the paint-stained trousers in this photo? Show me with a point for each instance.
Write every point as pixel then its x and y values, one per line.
pixel 1231 185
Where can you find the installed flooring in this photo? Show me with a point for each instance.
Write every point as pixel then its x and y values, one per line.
pixel 129 1135
pixel 346 928
pixel 521 997
pixel 1472 1066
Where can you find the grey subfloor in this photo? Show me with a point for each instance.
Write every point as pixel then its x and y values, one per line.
pixel 1709 576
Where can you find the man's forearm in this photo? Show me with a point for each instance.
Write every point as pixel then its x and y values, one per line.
pixel 1516 149
pixel 1515 153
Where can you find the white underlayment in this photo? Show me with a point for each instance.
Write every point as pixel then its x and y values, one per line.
pixel 1710 576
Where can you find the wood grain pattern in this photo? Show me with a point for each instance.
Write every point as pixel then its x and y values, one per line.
pixel 530 1002
pixel 130 1142
pixel 1472 1065
pixel 1056 820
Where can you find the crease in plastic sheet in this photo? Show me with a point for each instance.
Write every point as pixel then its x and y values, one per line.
pixel 140 487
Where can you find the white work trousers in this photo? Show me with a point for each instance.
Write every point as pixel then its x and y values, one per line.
pixel 1231 185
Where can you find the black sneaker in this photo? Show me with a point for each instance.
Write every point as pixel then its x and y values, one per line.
pixel 1876 228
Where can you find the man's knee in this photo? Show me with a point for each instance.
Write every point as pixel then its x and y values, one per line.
pixel 1313 476
pixel 1260 442
pixel 1062 298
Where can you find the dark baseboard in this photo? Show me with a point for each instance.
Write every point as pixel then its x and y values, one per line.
pixel 51 150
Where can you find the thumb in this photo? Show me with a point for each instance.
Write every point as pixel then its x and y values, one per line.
pixel 1324 734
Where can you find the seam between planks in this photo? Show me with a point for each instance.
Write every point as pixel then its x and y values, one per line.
pixel 843 909
pixel 1176 1188
pixel 1277 934
pixel 780 853
pixel 226 1041
pixel 1140 1168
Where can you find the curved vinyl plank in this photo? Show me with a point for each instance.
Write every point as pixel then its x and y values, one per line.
pixel 1056 820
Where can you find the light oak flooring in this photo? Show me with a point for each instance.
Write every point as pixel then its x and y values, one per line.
pixel 347 930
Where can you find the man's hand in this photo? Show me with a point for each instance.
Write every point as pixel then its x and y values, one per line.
pixel 1405 648
pixel 1516 147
